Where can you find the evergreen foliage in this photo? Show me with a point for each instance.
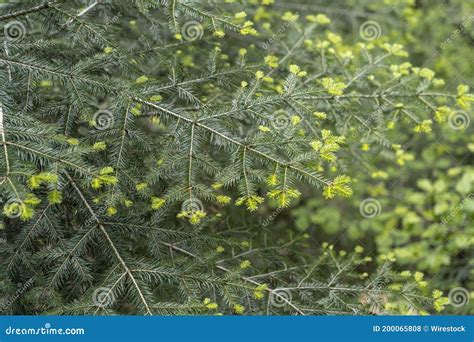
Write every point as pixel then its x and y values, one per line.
pixel 138 137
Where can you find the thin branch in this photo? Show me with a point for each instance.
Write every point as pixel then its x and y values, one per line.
pixel 28 10
pixel 45 155
pixel 111 243
pixel 235 142
pixel 5 150
pixel 247 279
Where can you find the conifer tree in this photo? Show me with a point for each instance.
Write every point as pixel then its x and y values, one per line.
pixel 145 142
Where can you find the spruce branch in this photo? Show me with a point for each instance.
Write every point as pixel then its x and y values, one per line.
pixel 112 245
pixel 34 9
pixel 5 149
pixel 247 279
